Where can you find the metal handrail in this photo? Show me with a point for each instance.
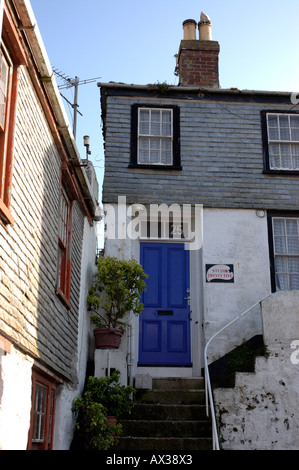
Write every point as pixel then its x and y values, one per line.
pixel 208 387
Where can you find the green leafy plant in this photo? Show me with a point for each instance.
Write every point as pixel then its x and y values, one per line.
pixel 116 291
pixel 116 398
pixel 94 431
pixel 104 396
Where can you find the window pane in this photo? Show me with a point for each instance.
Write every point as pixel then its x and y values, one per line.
pixel 286 156
pixel 294 121
pixel 272 120
pixel 4 69
pixel 155 128
pixel 293 246
pixel 144 115
pixel 274 155
pixel 155 115
pixel 283 120
pixel 280 245
pixel 279 226
pixel 39 413
pixel 295 156
pixel 284 133
pixel 155 144
pixel 292 227
pixel 144 128
pixel 293 264
pixel 295 134
pixel 294 282
pixel 282 281
pixel 166 129
pixel 281 265
pixel 166 151
pixel 273 133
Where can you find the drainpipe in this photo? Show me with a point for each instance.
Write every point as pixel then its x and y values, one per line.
pixel 130 360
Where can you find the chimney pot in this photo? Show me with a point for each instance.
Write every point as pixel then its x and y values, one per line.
pixel 189 27
pixel 205 27
pixel 197 60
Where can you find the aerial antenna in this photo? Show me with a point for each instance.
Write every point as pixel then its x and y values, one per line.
pixel 73 82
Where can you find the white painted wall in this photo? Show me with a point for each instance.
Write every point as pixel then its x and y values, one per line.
pixel 238 237
pixel 64 418
pixel 15 400
pixel 262 411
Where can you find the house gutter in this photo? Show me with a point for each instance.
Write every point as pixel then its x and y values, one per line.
pixel 173 88
pixel 28 26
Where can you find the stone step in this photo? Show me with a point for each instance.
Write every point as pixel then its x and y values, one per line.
pixel 170 396
pixel 175 383
pixel 170 416
pixel 168 411
pixel 167 428
pixel 164 443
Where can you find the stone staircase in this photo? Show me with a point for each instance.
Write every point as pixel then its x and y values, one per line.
pixel 171 416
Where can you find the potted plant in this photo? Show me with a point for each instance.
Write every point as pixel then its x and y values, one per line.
pixel 115 293
pixel 116 398
pixel 104 398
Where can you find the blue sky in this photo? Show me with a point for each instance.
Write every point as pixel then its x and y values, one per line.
pixel 135 41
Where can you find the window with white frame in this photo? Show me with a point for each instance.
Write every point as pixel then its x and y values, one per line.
pixel 283 141
pixel 286 252
pixel 155 136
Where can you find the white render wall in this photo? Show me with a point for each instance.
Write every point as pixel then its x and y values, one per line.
pixel 238 237
pixel 262 411
pixel 230 236
pixel 15 399
pixel 64 418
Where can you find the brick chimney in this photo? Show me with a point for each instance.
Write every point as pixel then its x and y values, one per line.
pixel 197 60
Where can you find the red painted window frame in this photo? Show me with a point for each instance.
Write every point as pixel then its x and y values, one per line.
pixel 41 381
pixel 13 49
pixel 64 246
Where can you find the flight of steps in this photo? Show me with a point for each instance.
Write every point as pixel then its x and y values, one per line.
pixel 171 416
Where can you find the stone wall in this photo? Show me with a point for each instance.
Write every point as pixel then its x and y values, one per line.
pixel 261 412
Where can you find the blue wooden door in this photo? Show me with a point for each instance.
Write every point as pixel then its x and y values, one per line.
pixel 164 329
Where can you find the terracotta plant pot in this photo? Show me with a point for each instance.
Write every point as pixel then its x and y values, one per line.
pixel 107 338
pixel 111 420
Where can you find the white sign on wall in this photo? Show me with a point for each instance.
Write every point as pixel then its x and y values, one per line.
pixel 219 273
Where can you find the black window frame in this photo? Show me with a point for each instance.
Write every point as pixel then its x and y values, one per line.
pixel 176 162
pixel 267 169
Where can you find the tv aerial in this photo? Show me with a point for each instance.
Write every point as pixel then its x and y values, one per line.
pixel 69 83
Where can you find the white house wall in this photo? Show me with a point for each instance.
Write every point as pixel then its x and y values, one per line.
pixel 230 236
pixel 65 420
pixel 15 394
pixel 238 237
